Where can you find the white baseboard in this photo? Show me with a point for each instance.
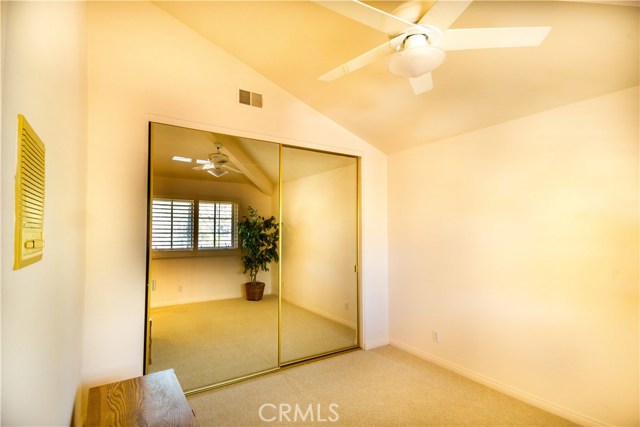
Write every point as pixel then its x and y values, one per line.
pixel 503 388
pixel 370 345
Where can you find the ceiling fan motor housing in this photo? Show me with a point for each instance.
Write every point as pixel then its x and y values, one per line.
pixel 218 158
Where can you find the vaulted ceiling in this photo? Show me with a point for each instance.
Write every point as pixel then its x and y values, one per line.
pixel 592 50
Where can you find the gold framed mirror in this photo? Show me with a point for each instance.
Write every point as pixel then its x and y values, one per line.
pixel 199 319
pixel 319 311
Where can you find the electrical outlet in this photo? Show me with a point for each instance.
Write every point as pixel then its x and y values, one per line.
pixel 346 306
pixel 153 285
pixel 180 288
pixel 435 335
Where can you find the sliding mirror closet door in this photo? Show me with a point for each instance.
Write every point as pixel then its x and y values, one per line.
pixel 319 282
pixel 199 321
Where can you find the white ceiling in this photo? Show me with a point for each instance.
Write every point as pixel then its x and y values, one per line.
pixel 591 50
pixel 169 141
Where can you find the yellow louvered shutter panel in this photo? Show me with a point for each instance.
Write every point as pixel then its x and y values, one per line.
pixel 29 240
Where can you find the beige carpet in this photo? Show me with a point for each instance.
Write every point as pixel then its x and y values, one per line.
pixel 305 333
pixel 214 341
pixel 381 387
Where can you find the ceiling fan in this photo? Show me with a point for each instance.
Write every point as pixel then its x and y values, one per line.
pixel 418 41
pixel 217 164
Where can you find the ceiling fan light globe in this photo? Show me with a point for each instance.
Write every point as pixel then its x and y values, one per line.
pixel 415 61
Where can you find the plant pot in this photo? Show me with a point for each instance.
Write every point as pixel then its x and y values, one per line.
pixel 254 290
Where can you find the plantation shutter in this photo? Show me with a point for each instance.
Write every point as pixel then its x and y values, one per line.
pixel 172 224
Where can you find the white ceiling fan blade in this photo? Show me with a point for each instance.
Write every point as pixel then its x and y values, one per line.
pixel 204 167
pixel 362 60
pixel 487 38
pixel 421 84
pixel 444 13
pixel 367 15
pixel 231 168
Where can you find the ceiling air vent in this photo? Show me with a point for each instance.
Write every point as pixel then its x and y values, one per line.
pixel 250 98
pixel 29 240
pixel 245 97
pixel 256 100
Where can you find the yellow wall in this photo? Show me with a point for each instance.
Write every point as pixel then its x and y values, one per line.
pixel 44 78
pixel 519 243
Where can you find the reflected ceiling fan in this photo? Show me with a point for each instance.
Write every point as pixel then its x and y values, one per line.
pixel 217 164
pixel 418 41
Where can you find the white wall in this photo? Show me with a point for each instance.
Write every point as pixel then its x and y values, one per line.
pixel 44 78
pixel 319 243
pixel 145 65
pixel 218 275
pixel 519 243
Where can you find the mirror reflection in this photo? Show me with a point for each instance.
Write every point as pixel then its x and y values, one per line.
pixel 319 259
pixel 201 323
pixel 211 195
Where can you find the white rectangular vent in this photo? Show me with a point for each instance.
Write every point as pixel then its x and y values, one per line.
pixel 250 98
pixel 256 100
pixel 244 96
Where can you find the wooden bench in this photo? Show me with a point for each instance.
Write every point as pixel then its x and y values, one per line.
pixel 150 400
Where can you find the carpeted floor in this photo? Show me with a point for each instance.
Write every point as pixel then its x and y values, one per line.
pixel 381 387
pixel 214 341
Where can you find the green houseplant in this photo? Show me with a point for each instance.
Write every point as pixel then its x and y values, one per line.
pixel 259 249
